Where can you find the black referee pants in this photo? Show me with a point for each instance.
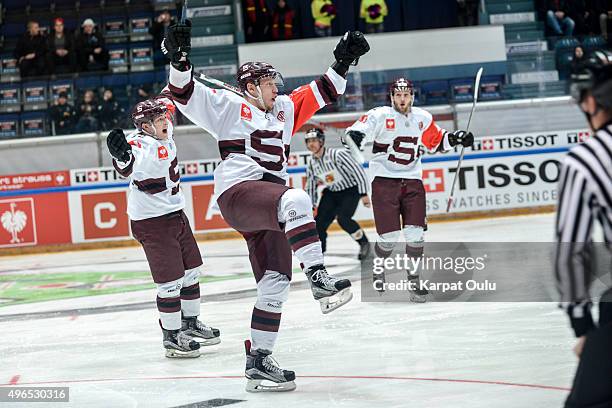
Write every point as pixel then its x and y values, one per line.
pixel 592 386
pixel 341 205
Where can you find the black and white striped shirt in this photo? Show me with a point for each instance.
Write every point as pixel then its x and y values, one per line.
pixel 337 170
pixel 585 196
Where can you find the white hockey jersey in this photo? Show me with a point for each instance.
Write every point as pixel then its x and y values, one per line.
pixel 251 142
pixel 154 176
pixel 399 140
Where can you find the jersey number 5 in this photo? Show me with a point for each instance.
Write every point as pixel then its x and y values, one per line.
pixel 273 150
pixel 405 145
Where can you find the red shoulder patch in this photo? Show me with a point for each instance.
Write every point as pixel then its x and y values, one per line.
pixel 135 143
pixel 245 112
pixel 162 153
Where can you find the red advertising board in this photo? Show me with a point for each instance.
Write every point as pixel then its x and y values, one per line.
pixel 104 215
pixel 34 180
pixel 37 220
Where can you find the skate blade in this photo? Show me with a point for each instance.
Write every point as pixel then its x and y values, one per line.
pixel 208 342
pixel 414 298
pixel 269 386
pixel 182 354
pixel 331 303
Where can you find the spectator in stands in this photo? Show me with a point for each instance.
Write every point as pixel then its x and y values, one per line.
pixel 257 21
pixel 60 49
pixel 62 114
pixel 578 58
pixel 91 48
pixel 158 31
pixel 602 9
pixel 110 113
pixel 283 20
pixel 558 19
pixel 323 12
pixel 374 13
pixel 30 52
pixel 583 16
pixel 467 12
pixel 87 113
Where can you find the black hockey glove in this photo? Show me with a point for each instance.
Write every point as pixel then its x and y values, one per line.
pixel 351 46
pixel 177 45
pixel 461 137
pixel 356 136
pixel 118 147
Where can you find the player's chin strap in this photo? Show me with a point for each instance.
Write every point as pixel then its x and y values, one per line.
pixel 154 134
pixel 258 98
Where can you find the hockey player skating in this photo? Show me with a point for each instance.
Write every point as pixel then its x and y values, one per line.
pixel 155 207
pixel 345 184
pixel 585 199
pixel 400 134
pixel 254 133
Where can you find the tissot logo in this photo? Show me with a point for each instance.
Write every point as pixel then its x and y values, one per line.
pixel 501 175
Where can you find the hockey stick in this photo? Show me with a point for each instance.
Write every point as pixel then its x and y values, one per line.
pixel 183 11
pixel 467 129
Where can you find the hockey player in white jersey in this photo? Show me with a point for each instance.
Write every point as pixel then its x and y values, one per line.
pixel 399 134
pixel 254 133
pixel 147 157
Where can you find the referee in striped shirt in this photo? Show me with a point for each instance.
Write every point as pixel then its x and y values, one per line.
pixel 585 197
pixel 345 184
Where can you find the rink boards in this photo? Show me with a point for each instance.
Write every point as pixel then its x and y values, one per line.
pixel 89 205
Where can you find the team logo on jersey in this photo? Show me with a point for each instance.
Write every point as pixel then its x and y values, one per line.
pixel 162 153
pixel 390 123
pixel 363 118
pixel 245 112
pixel 281 116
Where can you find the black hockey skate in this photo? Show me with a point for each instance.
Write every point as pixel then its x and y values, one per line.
pixel 418 294
pixel 329 291
pixel 378 280
pixel 179 345
pixel 364 251
pixel 263 373
pixel 206 336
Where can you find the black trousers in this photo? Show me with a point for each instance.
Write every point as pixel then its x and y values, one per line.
pixel 592 386
pixel 340 205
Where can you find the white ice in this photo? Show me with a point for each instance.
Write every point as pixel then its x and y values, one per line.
pixel 362 355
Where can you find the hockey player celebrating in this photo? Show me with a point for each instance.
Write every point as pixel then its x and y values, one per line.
pixel 345 184
pixel 400 133
pixel 155 207
pixel 254 134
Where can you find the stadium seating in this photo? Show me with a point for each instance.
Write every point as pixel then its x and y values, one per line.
pixel 9 126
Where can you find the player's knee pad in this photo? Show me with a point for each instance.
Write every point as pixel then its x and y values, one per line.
pixel 272 292
pixel 170 289
pixel 295 207
pixel 388 240
pixel 413 234
pixel 192 276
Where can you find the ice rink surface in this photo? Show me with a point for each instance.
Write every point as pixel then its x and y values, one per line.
pixel 107 348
